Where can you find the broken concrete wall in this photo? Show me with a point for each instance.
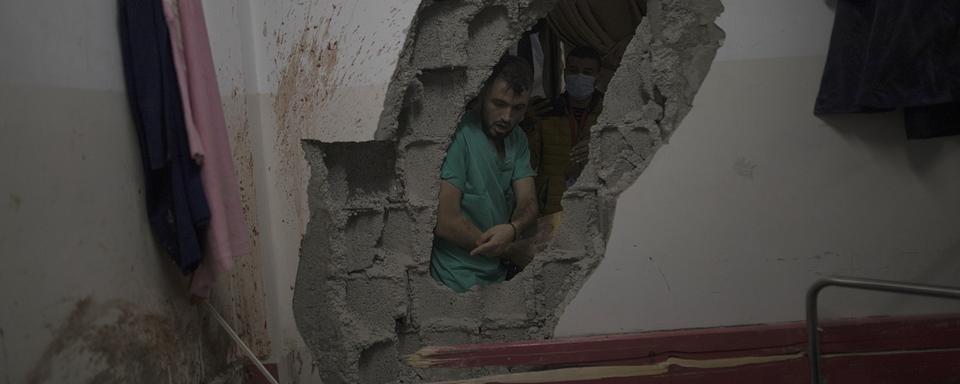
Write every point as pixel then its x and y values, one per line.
pixel 364 297
pixel 322 71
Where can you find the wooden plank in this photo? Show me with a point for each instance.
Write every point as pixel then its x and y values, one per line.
pixel 928 367
pixel 841 336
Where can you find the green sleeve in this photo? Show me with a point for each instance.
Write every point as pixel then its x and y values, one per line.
pixel 454 170
pixel 522 168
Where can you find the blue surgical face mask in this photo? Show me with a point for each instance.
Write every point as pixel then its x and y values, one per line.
pixel 580 86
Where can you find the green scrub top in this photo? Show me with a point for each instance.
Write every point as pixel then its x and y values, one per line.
pixel 486 184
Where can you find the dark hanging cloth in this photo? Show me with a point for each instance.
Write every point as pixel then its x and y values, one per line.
pixel 176 204
pixel 889 54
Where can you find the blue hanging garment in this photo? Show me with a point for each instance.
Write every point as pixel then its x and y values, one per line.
pixel 176 205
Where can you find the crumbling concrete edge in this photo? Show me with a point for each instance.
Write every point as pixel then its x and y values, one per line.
pixel 648 97
pixel 364 298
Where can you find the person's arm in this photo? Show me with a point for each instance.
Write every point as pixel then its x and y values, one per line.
pixel 526 211
pixel 452 226
pixel 497 240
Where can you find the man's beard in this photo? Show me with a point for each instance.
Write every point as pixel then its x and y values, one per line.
pixel 498 131
pixel 493 130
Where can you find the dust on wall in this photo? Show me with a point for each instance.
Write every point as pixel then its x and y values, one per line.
pixel 364 298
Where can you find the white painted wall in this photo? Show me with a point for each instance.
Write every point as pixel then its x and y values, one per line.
pixel 363 38
pixel 754 198
pixel 73 223
pixel 72 220
pixel 340 100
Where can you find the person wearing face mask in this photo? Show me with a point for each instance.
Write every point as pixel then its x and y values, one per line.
pixel 559 130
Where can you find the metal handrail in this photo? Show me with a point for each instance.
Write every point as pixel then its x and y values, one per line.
pixel 813 336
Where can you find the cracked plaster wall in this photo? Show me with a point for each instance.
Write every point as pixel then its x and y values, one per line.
pixel 364 297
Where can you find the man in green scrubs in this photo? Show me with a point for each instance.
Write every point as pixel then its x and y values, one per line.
pixel 487 191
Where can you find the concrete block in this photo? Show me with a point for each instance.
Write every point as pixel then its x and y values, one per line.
pixel 500 335
pixel 434 303
pixel 489 35
pixel 420 166
pixel 376 303
pixel 553 283
pixel 410 105
pixel 513 300
pixel 369 168
pixel 409 232
pixel 577 232
pixel 362 234
pixel 429 115
pixel 451 337
pixel 379 363
pixel 441 34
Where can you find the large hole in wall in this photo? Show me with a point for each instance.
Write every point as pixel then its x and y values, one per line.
pixel 364 298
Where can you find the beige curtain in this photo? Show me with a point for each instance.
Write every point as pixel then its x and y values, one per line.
pixel 605 25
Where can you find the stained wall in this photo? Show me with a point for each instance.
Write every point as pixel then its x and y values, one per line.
pixel 364 298
pixel 85 294
pixel 755 198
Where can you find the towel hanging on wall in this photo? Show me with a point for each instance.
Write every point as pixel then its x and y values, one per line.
pixel 227 236
pixel 192 193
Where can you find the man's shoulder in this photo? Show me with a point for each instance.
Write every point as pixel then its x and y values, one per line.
pixel 518 135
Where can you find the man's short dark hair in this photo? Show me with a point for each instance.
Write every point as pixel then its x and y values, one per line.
pixel 515 71
pixel 585 52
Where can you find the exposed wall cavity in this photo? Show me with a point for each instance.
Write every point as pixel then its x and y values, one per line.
pixel 364 298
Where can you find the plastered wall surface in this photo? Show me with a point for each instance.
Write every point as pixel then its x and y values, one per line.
pixel 364 298
pixel 341 53
pixel 754 198
pixel 751 191
pixel 85 295
pixel 322 70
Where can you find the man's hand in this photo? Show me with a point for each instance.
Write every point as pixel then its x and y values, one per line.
pixel 495 241
pixel 580 152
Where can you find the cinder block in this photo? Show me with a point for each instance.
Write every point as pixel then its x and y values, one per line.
pixel 577 232
pixel 498 335
pixel 442 35
pixel 553 286
pixel 433 303
pixel 409 232
pixel 489 33
pixel 420 166
pixel 369 168
pixel 436 113
pixel 376 303
pixel 510 301
pixel 362 235
pixel 379 363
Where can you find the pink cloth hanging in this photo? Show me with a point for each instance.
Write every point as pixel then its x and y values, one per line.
pixel 172 15
pixel 227 237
